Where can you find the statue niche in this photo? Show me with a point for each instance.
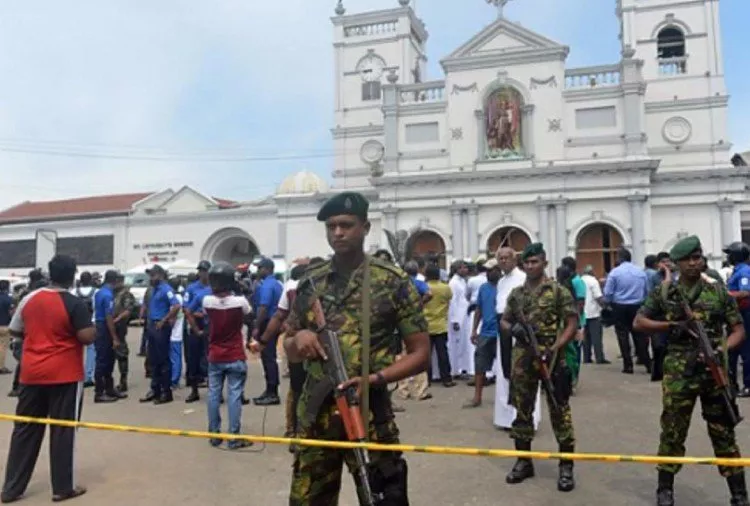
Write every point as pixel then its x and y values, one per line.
pixel 503 123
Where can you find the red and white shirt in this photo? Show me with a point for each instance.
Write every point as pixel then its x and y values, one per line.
pixel 226 316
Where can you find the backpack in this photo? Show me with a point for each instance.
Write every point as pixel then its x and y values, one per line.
pixel 87 299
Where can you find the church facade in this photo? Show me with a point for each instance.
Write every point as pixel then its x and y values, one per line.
pixel 509 146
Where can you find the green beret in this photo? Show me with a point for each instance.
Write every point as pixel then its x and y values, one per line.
pixel 685 247
pixel 533 250
pixel 344 203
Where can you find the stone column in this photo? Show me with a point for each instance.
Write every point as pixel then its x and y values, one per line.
pixel 472 214
pixel 726 217
pixel 637 227
pixel 634 91
pixel 561 230
pixel 390 224
pixel 458 233
pixel 481 134
pixel 527 129
pixel 390 127
pixel 281 239
pixel 543 235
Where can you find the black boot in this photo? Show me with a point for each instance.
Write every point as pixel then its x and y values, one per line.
pixel 164 398
pixel 101 395
pixel 665 492
pixel 194 396
pixel 566 481
pixel 123 386
pixel 111 391
pixel 523 468
pixel 738 489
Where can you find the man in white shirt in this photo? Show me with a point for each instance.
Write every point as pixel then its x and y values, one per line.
pixel 458 319
pixel 512 277
pixel 592 308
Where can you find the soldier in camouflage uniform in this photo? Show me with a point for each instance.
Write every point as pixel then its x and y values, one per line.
pixel 124 304
pixel 395 306
pixel 686 377
pixel 550 310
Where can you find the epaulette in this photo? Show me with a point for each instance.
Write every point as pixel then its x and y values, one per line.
pixel 317 272
pixel 388 266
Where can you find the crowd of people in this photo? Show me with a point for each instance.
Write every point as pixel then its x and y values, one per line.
pixel 500 319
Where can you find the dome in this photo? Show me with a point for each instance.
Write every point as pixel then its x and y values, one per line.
pixel 302 183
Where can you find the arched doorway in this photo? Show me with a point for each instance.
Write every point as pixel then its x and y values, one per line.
pixel 597 245
pixel 507 237
pixel 426 243
pixel 231 245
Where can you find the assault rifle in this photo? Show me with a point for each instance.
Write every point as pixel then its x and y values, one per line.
pixel 348 406
pixel 714 365
pixel 544 369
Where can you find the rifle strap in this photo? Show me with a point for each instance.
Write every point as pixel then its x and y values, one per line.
pixel 366 308
pixel 558 308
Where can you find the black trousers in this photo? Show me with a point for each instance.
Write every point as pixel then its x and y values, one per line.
pixel 105 358
pixel 297 378
pixel 270 365
pixel 624 314
pixel 506 350
pixel 159 348
pixel 195 350
pixel 439 343
pixel 63 401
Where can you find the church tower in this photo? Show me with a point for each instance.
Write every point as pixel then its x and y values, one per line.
pixel 371 50
pixel 679 45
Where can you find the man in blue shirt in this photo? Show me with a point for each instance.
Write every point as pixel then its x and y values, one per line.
pixel 485 339
pixel 738 285
pixel 106 341
pixel 162 309
pixel 265 303
pixel 412 269
pixel 6 306
pixel 196 345
pixel 625 290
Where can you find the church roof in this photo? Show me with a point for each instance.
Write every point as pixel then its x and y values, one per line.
pixel 504 42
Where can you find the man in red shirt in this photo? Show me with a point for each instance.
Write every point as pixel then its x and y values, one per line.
pixel 226 354
pixel 55 325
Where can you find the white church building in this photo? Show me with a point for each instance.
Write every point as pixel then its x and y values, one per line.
pixel 510 146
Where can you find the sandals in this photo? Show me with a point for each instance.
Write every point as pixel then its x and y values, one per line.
pixel 76 492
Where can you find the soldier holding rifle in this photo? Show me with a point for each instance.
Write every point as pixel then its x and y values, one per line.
pixel 542 318
pixel 329 305
pixel 694 313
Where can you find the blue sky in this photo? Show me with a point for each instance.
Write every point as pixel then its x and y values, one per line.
pixel 117 87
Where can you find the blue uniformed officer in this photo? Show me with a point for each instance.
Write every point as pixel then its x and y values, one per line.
pixel 106 341
pixel 162 310
pixel 196 342
pixel 738 285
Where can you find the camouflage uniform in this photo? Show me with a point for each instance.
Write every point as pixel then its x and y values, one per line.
pixel 685 377
pixel 395 306
pixel 547 308
pixel 124 301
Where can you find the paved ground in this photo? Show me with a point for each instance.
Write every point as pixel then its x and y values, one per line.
pixel 613 413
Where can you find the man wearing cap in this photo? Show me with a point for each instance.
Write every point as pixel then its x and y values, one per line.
pixel 107 340
pixel 265 303
pixel 686 377
pixel 196 346
pixel 162 310
pixel 124 304
pixel 738 284
pixel 395 314
pixel 550 310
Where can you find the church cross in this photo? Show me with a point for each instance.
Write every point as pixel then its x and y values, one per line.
pixel 500 4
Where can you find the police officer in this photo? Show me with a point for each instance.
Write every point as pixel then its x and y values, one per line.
pixel 107 341
pixel 738 284
pixel 198 325
pixel 163 307
pixel 549 308
pixel 124 304
pixel 686 376
pixel 316 477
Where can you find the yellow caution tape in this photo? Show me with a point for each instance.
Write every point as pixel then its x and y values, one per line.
pixel 345 445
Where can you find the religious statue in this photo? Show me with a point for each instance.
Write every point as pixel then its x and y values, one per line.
pixel 503 115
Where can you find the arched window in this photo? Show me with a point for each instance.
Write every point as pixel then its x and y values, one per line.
pixel 426 243
pixel 671 51
pixel 508 237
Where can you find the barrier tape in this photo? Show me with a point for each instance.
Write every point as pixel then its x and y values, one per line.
pixel 345 445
